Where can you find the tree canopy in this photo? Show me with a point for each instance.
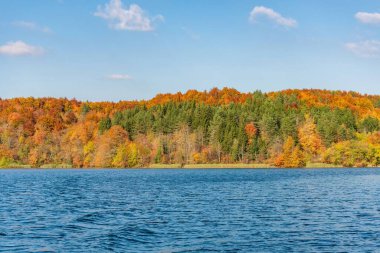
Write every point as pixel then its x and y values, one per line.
pixel 288 129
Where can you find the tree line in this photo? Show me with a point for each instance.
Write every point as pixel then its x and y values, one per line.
pixel 289 128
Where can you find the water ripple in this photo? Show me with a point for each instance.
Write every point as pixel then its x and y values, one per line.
pixel 335 210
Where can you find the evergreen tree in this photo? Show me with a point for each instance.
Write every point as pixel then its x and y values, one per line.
pixel 104 125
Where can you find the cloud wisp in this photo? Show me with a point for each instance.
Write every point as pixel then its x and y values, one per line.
pixel 31 26
pixel 368 18
pixel 366 49
pixel 20 48
pixel 133 18
pixel 259 11
pixel 119 77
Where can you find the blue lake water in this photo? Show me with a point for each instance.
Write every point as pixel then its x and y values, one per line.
pixel 269 210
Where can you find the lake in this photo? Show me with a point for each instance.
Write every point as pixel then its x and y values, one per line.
pixel 221 210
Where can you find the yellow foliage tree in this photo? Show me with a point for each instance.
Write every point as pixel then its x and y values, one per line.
pixel 309 139
pixel 291 157
pixel 120 159
pixel 132 155
pixel 88 152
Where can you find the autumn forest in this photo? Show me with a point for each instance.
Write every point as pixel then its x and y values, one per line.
pixel 290 128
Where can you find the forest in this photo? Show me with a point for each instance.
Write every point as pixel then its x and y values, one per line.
pixel 289 128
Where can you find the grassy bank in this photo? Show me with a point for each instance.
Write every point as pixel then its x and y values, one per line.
pixel 228 166
pixel 28 166
pixel 210 166
pixel 178 166
pixel 16 166
pixel 322 165
pixel 236 166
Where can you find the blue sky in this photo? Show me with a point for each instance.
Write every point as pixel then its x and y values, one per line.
pixel 123 50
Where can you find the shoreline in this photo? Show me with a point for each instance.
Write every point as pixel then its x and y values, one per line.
pixel 190 166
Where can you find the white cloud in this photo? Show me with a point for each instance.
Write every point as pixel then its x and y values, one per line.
pixel 18 48
pixel 31 26
pixel 120 18
pixel 119 77
pixel 367 49
pixel 368 18
pixel 272 15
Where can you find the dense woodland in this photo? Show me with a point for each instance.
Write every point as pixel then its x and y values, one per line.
pixel 289 128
